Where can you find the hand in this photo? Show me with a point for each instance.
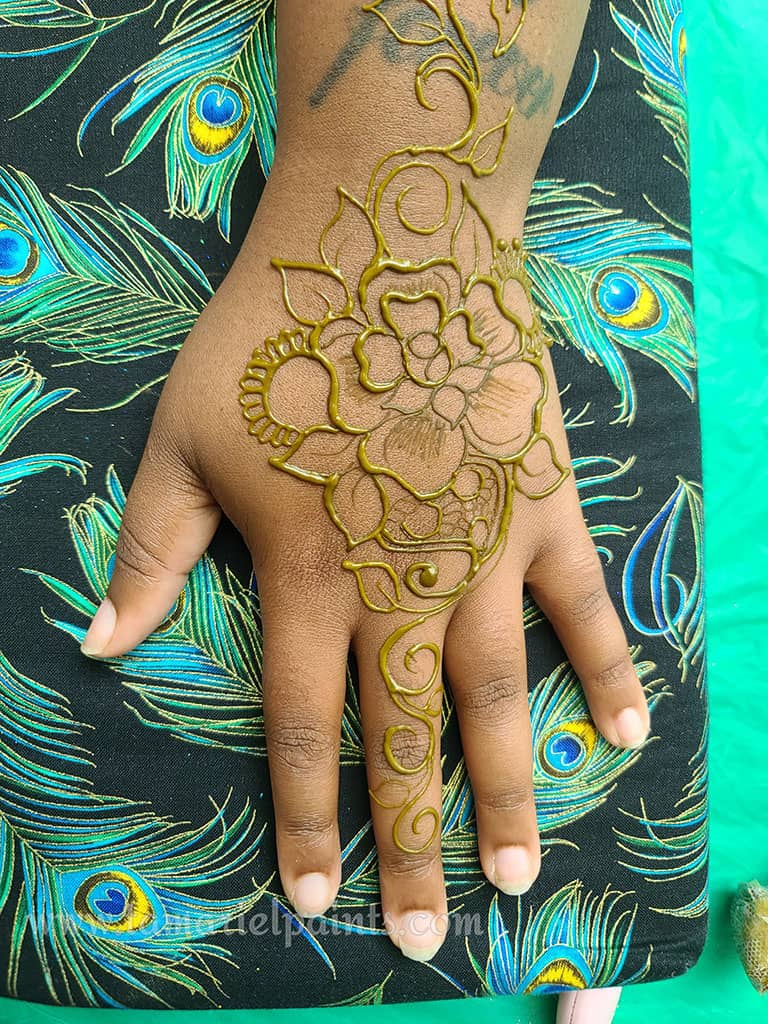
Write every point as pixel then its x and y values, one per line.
pixel 200 459
pixel 386 434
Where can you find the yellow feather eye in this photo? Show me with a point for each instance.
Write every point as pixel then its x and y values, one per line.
pixel 564 750
pixel 114 901
pixel 218 112
pixel 623 298
pixel 19 256
pixel 559 974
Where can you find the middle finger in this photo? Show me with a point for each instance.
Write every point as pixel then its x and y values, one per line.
pixel 401 700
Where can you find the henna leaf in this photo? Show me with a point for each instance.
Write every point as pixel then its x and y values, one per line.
pixel 313 294
pixel 416 22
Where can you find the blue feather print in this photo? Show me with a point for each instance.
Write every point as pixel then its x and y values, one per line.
pixel 22 399
pixel 213 88
pixel 676 605
pixel 55 28
pixel 104 890
pixel 665 850
pixel 661 56
pixel 198 675
pixel 574 767
pixel 606 283
pixel 573 941
pixel 91 279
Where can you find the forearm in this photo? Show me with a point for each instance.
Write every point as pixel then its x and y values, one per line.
pixel 347 90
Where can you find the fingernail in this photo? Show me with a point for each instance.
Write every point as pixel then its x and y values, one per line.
pixel 419 933
pixel 312 894
pixel 512 870
pixel 100 630
pixel 630 728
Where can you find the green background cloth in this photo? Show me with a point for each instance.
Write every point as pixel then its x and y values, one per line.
pixel 728 82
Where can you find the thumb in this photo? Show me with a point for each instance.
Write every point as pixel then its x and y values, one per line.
pixel 170 518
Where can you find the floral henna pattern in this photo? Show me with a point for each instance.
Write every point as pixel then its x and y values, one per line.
pixel 422 388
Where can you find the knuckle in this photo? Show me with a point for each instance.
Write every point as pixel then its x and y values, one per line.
pixel 299 745
pixel 509 799
pixel 308 829
pixel 613 676
pixel 402 864
pixel 409 747
pixel 491 703
pixel 590 597
pixel 136 557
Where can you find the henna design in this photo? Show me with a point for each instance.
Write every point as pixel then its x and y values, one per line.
pixel 428 389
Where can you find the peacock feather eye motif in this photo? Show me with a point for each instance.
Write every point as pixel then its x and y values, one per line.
pixel 574 940
pixel 112 902
pixel 566 748
pixel 626 301
pixel 212 88
pixel 574 767
pixel 19 256
pixel 216 113
pixel 89 278
pixel 104 893
pixel 608 284
pixel 660 42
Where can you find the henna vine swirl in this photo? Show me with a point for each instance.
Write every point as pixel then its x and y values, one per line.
pixel 433 388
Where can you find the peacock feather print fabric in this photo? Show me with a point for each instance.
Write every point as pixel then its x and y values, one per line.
pixel 137 857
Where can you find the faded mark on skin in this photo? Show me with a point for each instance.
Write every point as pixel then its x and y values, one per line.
pixel 530 85
pixel 409 390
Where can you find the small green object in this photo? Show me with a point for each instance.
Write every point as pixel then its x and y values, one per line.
pixel 749 919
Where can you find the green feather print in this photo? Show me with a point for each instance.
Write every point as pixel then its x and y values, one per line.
pixel 22 399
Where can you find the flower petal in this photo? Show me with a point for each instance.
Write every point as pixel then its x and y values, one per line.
pixel 357 505
pixel 499 330
pixel 501 413
pixel 457 334
pixel 436 278
pixel 540 472
pixel 355 408
pixel 408 397
pixel 411 315
pixel 381 360
pixel 450 403
pixel 317 455
pixel 468 378
pixel 420 451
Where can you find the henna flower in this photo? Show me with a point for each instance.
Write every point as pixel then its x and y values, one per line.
pixel 401 371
